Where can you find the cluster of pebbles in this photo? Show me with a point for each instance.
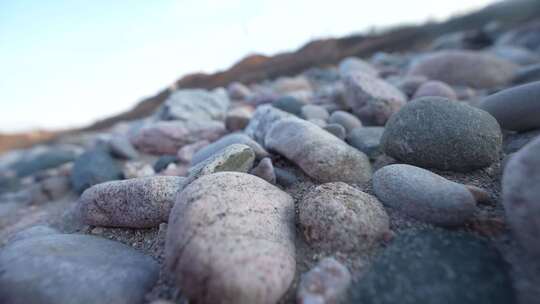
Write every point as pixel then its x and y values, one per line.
pixel 403 178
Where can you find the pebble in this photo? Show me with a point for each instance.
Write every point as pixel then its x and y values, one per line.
pixel 238 118
pixel 326 283
pixel 410 84
pixel 93 167
pixel 265 170
pixel 166 137
pixel 367 140
pixel 238 91
pixel 435 267
pixel 243 216
pixel 136 169
pixel 337 130
pixel 42 159
pixel 134 203
pixel 227 140
pixel 435 88
pixel 263 119
pixel 318 153
pixel 371 99
pixel 336 217
pixel 346 119
pixel 74 269
pixel 164 161
pixel 435 133
pixel 314 112
pixel 424 195
pixel 465 68
pixel 289 104
pixel 520 193
pixel 516 108
pixel 236 158
pixel 353 65
pixel 194 105
pixel 121 147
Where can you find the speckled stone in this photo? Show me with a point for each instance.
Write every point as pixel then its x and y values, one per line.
pixel 135 203
pixel 336 217
pixel 434 132
pixel 231 240
pixel 234 158
pixel 225 141
pixel 318 153
pixel 74 269
pixel 517 108
pixel 423 195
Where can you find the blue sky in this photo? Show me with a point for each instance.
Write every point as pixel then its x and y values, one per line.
pixel 67 63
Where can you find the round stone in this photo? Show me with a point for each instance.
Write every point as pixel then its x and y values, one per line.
pixel 435 88
pixel 434 132
pixel 346 119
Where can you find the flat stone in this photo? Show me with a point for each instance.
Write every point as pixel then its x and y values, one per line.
pixel 233 158
pixel 435 267
pixel 43 159
pixel 433 132
pixel 94 167
pixel 516 108
pixel 225 141
pixel 424 195
pixel 71 268
pixel 372 99
pixel 520 193
pixel 336 217
pixel 231 240
pixel 367 140
pixel 166 137
pixel 465 68
pixel 318 153
pixel 134 203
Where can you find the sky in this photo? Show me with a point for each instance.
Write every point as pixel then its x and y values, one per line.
pixel 67 63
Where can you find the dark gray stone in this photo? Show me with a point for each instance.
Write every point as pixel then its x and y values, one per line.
pixel 423 195
pixel 289 104
pixel 367 140
pixel 513 142
pixel 64 268
pixel 520 194
pixel 225 141
pixel 94 167
pixel 434 132
pixel 435 267
pixel 517 108
pixel 527 74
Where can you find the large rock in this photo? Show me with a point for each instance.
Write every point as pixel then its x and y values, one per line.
pixel 263 119
pixel 166 137
pixel 70 268
pixel 372 99
pixel 195 105
pixel 320 154
pixel 225 141
pixel 520 194
pixel 517 108
pixel 94 167
pixel 437 133
pixel 231 240
pixel 424 195
pixel 336 217
pixel 435 267
pixel 135 203
pixel 465 68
